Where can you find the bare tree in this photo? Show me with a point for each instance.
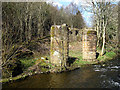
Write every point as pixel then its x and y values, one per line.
pixel 103 11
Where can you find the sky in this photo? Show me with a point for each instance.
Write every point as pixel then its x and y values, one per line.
pixel 86 15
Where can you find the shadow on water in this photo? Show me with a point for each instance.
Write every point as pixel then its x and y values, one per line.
pixel 93 76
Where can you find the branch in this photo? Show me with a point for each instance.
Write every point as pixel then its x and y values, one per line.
pixel 10 56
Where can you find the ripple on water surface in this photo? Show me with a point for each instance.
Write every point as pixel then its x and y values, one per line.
pixel 93 76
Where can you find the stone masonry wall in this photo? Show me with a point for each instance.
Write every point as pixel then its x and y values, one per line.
pixel 59 45
pixel 75 35
pixel 89 45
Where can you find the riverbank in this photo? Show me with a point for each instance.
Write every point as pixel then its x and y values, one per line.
pixel 46 67
pixel 40 65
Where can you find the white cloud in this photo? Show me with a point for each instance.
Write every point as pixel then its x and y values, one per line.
pixel 84 3
pixel 77 2
pixel 54 3
pixel 63 0
pixel 57 4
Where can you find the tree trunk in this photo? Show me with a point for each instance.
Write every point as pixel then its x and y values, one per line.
pixel 97 27
pixel 29 28
pixel 21 30
pixel 39 27
pixel 26 24
pixel 103 45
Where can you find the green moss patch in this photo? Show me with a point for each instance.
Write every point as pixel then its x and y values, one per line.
pixel 27 62
pixel 52 31
pixel 91 32
pixel 22 76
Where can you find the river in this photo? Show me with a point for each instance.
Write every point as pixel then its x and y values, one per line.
pixel 93 76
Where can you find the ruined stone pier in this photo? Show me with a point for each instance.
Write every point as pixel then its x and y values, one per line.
pixel 75 34
pixel 89 45
pixel 59 45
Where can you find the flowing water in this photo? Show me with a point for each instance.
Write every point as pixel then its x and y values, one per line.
pixel 93 76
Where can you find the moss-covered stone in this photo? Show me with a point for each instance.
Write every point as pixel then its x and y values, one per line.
pixel 59 45
pixel 91 32
pixel 52 31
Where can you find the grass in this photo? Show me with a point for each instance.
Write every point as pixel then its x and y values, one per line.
pixel 110 54
pixel 27 62
pixel 81 62
pixel 73 54
pixel 107 56
pixel 78 56
pixel 30 61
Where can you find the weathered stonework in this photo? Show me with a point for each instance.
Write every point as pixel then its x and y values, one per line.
pixel 89 45
pixel 75 34
pixel 59 45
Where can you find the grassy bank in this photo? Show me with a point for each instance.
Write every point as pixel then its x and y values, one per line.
pixel 80 62
pixel 37 65
pixel 107 56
